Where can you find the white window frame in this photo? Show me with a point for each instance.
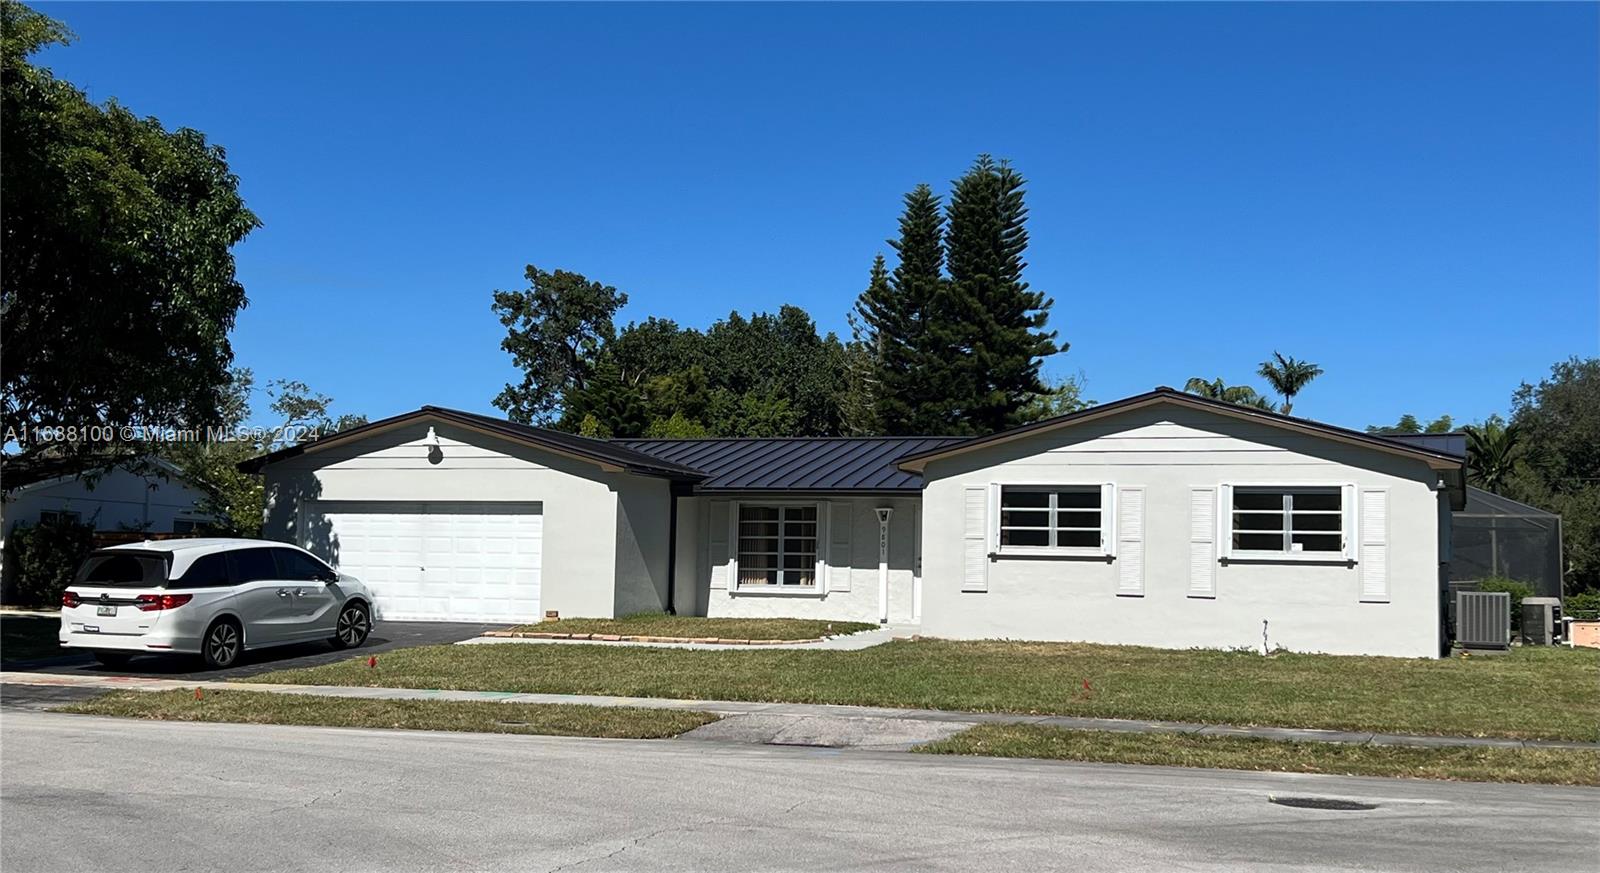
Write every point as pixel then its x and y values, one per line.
pixel 819 576
pixel 1346 514
pixel 72 516
pixel 1107 520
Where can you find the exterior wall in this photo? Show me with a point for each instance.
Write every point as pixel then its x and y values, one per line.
pixel 584 533
pixel 1168 451
pixel 119 500
pixel 643 531
pixel 849 589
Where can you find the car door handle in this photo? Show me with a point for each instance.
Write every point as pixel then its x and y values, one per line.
pixel 283 592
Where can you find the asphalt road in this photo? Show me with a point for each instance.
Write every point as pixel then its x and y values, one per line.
pixel 386 636
pixel 91 794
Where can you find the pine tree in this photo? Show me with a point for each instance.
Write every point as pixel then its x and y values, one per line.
pixel 858 408
pixel 990 326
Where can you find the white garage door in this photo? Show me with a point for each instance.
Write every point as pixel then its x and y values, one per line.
pixel 438 561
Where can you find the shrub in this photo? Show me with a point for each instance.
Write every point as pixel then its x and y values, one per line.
pixel 42 559
pixel 1517 590
pixel 1584 604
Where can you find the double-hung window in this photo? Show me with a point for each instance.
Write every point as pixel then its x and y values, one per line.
pixel 1288 520
pixel 1055 517
pixel 778 546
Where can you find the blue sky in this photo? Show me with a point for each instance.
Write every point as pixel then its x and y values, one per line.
pixel 1405 194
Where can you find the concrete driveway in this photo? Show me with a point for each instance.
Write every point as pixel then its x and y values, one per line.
pixel 386 636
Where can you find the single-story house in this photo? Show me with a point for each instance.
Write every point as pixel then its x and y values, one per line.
pixel 149 495
pixel 1163 519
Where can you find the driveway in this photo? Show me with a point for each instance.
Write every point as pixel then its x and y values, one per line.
pixel 386 636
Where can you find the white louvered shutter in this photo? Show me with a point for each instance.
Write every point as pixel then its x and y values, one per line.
pixel 1203 527
pixel 975 539
pixel 1374 522
pixel 840 522
pixel 1130 542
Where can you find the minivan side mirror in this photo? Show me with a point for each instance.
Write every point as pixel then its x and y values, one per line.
pixel 328 577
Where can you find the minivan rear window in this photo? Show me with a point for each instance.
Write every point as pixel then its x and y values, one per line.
pixel 122 570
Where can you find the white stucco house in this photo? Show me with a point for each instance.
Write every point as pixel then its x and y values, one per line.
pixel 1164 519
pixel 151 496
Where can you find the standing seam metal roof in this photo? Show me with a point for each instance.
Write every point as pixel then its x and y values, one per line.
pixel 795 464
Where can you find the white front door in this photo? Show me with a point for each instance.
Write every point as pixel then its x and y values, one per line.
pixel 436 561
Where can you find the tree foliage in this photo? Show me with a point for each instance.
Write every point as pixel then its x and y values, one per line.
pixel 1409 424
pixel 117 287
pixel 555 329
pixel 1492 454
pixel 1557 424
pixel 1288 377
pixel 1216 389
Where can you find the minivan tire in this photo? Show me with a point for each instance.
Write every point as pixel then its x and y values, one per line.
pixel 222 644
pixel 355 622
pixel 114 660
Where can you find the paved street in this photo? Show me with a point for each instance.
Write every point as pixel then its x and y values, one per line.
pixel 92 794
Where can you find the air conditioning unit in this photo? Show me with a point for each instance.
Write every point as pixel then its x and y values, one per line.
pixel 1541 621
pixel 1483 619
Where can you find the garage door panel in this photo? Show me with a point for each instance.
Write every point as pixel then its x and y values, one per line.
pixel 466 562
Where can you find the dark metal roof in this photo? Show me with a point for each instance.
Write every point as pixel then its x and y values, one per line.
pixel 1444 443
pixel 797 464
pixel 598 451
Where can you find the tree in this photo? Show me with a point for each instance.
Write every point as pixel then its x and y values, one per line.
pixel 1288 377
pixel 989 331
pixel 118 287
pixel 1062 397
pixel 1408 424
pixel 1216 389
pixel 1558 427
pixel 897 311
pixel 1491 454
pixel 555 329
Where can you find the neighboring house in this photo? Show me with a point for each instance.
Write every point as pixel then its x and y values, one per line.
pixel 1164 520
pixel 153 500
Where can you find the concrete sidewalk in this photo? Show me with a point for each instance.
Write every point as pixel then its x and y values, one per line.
pixel 805 723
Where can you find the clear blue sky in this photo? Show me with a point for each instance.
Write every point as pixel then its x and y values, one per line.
pixel 1405 194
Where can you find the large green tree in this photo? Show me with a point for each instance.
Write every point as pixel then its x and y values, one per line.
pixel 1288 376
pixel 117 286
pixel 1558 429
pixel 990 326
pixel 555 329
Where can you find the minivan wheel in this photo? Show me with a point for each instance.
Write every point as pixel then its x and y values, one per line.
pixel 355 622
pixel 114 660
pixel 222 645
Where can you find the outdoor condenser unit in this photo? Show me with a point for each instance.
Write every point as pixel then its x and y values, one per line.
pixel 1541 621
pixel 1483 619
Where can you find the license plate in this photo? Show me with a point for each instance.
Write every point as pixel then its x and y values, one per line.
pixel 105 610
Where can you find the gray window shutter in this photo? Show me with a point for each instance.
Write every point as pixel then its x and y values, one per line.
pixel 1374 522
pixel 975 540
pixel 1203 542
pixel 1130 542
pixel 840 522
pixel 719 524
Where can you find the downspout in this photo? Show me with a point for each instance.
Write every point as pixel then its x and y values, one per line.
pixel 672 548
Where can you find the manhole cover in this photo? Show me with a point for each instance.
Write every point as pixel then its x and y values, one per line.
pixel 1320 803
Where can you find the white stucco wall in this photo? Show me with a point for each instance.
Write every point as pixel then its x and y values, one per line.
pixel 595 558
pixel 1167 451
pixel 118 500
pixel 850 545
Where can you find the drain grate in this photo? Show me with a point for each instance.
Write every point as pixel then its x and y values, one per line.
pixel 1320 803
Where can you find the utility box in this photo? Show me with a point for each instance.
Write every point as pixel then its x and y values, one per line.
pixel 1483 619
pixel 1541 621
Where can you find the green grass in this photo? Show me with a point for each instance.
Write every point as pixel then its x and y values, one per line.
pixel 29 637
pixel 1536 692
pixel 1550 766
pixel 258 707
pixel 652 624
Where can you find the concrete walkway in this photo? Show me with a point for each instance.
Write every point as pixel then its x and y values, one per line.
pixel 805 723
pixel 846 643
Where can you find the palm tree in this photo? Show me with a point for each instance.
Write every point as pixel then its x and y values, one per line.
pixel 1216 389
pixel 1288 376
pixel 1492 454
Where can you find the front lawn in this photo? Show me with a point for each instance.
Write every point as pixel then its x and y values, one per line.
pixel 655 624
pixel 1533 692
pixel 258 707
pixel 1476 764
pixel 29 637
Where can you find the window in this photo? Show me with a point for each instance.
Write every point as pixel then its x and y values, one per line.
pixel 1050 518
pixel 299 566
pixel 58 516
pixel 778 546
pixel 1288 520
pixel 186 525
pixel 249 565
pixel 123 570
pixel 207 571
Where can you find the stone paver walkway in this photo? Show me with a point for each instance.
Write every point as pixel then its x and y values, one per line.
pixel 807 723
pixel 845 643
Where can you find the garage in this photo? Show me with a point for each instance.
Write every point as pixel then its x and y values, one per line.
pixel 439 561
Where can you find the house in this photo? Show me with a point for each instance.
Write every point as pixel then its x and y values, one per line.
pixel 1164 519
pixel 150 495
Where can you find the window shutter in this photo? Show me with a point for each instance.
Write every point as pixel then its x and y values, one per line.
pixel 718 528
pixel 1130 542
pixel 1374 546
pixel 1108 519
pixel 976 537
pixel 1349 524
pixel 840 522
pixel 1203 528
pixel 733 545
pixel 1224 522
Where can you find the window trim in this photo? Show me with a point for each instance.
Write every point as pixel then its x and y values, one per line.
pixel 1108 532
pixel 1348 522
pixel 819 584
pixel 70 516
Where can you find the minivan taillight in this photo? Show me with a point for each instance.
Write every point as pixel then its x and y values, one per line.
pixel 153 602
pixel 69 600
